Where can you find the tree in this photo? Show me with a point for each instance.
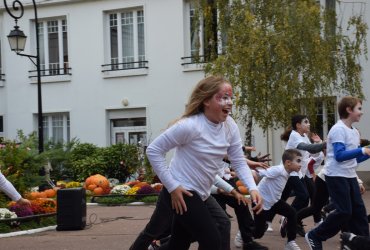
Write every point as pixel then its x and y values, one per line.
pixel 280 56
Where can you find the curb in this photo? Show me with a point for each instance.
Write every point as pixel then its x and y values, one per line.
pixel 31 231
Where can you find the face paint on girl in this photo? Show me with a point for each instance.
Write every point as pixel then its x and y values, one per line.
pixel 224 96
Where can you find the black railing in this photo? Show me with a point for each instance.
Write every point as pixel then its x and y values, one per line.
pixel 51 72
pixel 30 217
pixel 125 66
pixel 2 77
pixel 186 60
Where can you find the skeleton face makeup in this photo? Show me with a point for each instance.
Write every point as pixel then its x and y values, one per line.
pixel 224 96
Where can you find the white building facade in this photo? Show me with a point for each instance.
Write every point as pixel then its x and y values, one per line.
pixel 117 71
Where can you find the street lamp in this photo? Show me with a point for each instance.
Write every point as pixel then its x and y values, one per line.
pixel 17 41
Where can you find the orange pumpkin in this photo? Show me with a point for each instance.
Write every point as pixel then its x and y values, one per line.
pixel 243 190
pixel 34 195
pixel 50 193
pixel 98 191
pixel 43 195
pixel 91 187
pixel 239 183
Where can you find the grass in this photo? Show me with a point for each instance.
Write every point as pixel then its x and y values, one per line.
pixel 8 227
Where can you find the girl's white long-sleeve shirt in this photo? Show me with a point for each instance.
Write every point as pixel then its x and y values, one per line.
pixel 200 146
pixel 8 188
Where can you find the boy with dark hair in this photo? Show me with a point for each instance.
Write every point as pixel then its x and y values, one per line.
pixel 271 187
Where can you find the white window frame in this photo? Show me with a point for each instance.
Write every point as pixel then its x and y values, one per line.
pixel 139 64
pixel 187 60
pixel 63 71
pixel 66 126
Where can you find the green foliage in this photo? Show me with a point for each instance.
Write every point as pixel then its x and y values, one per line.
pixel 86 160
pixel 150 199
pixel 6 227
pixel 114 201
pixel 281 55
pixel 20 162
pixel 117 161
pixel 59 155
pixel 122 160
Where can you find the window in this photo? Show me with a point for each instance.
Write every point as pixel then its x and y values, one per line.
pixel 56 127
pixel 325 116
pixel 53 38
pixel 198 45
pixel 126 40
pixel 128 126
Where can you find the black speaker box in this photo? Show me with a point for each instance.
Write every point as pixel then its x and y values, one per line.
pixel 71 209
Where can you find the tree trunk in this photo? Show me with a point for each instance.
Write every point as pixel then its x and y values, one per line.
pixel 248 132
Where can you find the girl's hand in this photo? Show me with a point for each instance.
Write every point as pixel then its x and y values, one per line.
pixel 23 202
pixel 239 197
pixel 177 199
pixel 256 201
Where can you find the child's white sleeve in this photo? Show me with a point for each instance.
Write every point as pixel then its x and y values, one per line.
pixel 8 188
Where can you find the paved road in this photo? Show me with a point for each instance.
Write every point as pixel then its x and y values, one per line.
pixel 112 228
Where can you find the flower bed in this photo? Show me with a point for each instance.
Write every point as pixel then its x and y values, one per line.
pixel 122 199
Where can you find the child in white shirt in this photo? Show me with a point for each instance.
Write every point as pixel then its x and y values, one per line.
pixel 271 187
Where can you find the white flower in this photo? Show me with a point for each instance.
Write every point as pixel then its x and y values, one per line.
pixel 6 214
pixel 120 189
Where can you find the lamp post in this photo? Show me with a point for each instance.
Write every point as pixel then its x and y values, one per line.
pixel 17 41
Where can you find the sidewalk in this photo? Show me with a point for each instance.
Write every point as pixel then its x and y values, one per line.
pixel 112 228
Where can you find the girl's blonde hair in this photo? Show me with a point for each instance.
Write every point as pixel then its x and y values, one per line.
pixel 203 91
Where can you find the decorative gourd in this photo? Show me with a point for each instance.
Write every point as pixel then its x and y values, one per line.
pixel 50 193
pixel 43 195
pixel 91 187
pixel 239 183
pixel 243 190
pixel 98 184
pixel 98 191
pixel 34 195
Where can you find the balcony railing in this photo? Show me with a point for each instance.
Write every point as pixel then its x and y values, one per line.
pixel 186 60
pixel 53 70
pixel 125 66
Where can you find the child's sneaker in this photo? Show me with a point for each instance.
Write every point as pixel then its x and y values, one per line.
pixel 346 240
pixel 153 246
pixel 238 241
pixel 269 227
pixel 292 245
pixel 313 242
pixel 283 225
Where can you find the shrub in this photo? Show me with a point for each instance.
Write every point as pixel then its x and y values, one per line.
pixel 122 161
pixel 21 162
pixel 150 199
